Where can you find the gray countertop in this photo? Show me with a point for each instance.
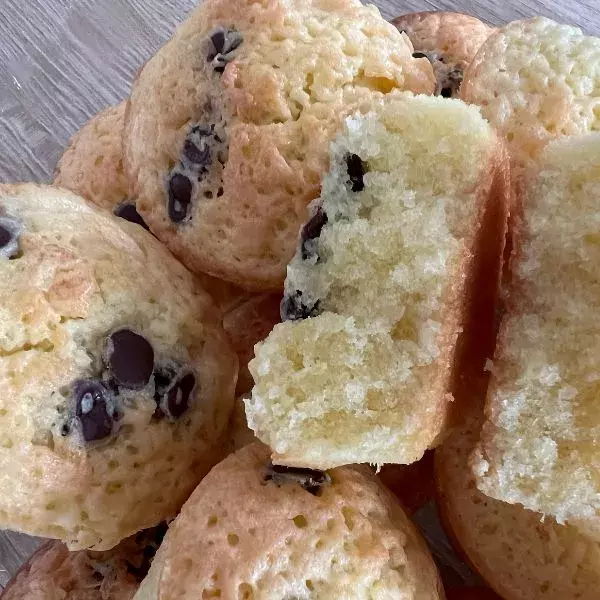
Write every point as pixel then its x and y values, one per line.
pixel 63 60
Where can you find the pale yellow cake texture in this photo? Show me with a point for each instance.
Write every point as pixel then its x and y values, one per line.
pixel 449 40
pixel 536 80
pixel 521 554
pixel 368 379
pixel 300 67
pixel 243 536
pixel 92 164
pixel 539 443
pixel 79 275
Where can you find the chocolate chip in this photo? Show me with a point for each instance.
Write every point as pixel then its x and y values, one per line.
pixel 196 148
pixel 419 55
pixel 311 231
pixel 180 196
pixel 130 358
pixel 292 308
pixel 222 44
pixel 10 230
pixel 356 172
pixel 128 211
pixel 179 395
pixel 173 393
pixel 5 236
pixel 446 92
pixel 309 479
pixel 218 41
pixel 95 409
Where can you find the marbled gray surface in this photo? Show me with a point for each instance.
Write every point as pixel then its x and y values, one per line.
pixel 63 60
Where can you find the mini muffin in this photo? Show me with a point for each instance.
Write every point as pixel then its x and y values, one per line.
pixel 519 553
pixel 538 445
pixel 448 40
pixel 535 81
pixel 92 167
pixel 116 374
pixel 361 369
pixel 229 124
pixel 246 325
pixel 54 573
pixel 251 530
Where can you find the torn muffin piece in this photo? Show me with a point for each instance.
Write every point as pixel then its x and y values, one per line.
pixel 361 369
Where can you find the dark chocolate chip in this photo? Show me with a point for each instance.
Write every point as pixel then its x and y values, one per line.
pixel 218 41
pixel 311 231
pixel 292 308
pixel 222 44
pixel 128 211
pixel 446 92
pixel 94 407
pixel 196 155
pixel 130 358
pixel 356 172
pixel 309 479
pixel 179 395
pixel 180 196
pixel 6 236
pixel 9 237
pixel 173 393
pixel 420 55
pixel 196 148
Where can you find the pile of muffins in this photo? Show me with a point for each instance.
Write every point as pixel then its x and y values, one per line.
pixel 317 275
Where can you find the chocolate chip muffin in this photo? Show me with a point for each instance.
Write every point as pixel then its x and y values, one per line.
pixel 448 40
pixel 54 573
pixel 229 124
pixel 538 444
pixel 536 80
pixel 92 165
pixel 523 555
pixel 251 530
pixel 361 369
pixel 117 377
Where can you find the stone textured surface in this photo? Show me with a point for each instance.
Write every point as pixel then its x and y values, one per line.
pixel 61 61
